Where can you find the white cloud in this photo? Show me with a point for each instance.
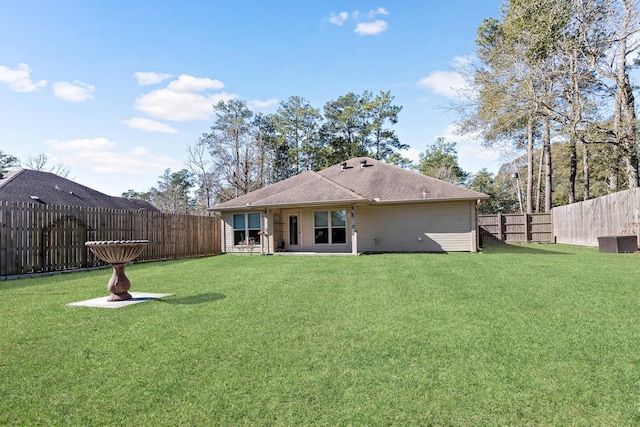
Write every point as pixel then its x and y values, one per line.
pixel 19 79
pixel 338 19
pixel 149 125
pixel 99 155
pixel 181 101
pixel 88 144
pixel 145 78
pixel 363 28
pixel 371 28
pixel 412 154
pixel 378 11
pixel 472 156
pixel 186 83
pixel 73 92
pixel 166 104
pixel 258 104
pixel 445 83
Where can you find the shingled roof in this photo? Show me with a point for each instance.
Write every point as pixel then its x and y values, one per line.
pixel 31 186
pixel 360 179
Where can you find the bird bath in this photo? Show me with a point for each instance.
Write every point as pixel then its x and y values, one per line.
pixel 118 253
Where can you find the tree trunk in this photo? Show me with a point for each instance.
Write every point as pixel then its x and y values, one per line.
pixel 539 184
pixel 530 140
pixel 630 146
pixel 573 169
pixel 548 187
pixel 625 116
pixel 575 121
pixel 586 172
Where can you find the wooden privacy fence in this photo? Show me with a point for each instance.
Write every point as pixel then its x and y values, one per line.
pixel 41 238
pixel 582 223
pixel 536 228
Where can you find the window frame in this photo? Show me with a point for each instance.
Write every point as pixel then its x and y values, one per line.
pixel 247 230
pixel 329 227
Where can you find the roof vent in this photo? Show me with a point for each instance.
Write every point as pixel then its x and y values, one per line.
pixel 35 198
pixel 424 193
pixel 363 163
pixel 343 165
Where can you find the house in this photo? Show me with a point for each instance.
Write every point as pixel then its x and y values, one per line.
pixel 31 186
pixel 358 206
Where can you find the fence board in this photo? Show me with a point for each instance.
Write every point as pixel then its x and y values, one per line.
pixel 612 215
pixel 537 228
pixel 40 238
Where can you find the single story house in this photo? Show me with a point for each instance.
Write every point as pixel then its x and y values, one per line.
pixel 358 206
pixel 46 188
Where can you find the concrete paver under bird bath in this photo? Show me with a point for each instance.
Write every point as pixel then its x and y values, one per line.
pixel 102 302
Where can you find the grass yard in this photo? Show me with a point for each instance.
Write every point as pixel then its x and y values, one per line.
pixel 516 335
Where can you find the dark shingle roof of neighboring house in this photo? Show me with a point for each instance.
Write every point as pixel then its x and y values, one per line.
pixel 31 186
pixel 360 179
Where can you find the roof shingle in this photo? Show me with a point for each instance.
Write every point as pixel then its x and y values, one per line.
pixel 362 180
pixel 31 186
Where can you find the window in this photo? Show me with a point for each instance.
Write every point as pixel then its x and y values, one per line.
pixel 330 227
pixel 246 225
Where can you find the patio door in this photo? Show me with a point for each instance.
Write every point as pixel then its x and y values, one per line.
pixel 293 236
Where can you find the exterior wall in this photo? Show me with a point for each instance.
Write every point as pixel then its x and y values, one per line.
pixel 308 236
pixel 429 227
pixel 411 227
pixel 229 246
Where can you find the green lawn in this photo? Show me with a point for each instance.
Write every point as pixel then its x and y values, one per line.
pixel 516 335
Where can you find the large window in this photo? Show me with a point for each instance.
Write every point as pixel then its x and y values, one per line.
pixel 245 226
pixel 330 227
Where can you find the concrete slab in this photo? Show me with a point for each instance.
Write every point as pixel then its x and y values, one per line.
pixel 103 303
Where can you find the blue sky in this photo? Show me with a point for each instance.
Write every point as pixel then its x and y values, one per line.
pixel 117 90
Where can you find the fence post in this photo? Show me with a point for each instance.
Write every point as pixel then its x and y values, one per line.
pixel 501 229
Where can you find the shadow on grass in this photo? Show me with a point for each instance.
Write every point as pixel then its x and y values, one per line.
pixel 194 299
pixel 531 249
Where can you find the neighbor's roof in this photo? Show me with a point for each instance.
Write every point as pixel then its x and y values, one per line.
pixel 362 180
pixel 31 186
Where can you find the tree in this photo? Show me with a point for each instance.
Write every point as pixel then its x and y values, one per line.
pixel 8 162
pixel 384 141
pixel 441 161
pixel 230 145
pixel 345 130
pixel 264 138
pixel 200 164
pixel 132 194
pixel 483 181
pixel 559 70
pixel 296 125
pixel 356 125
pixel 610 56
pixel 173 192
pixel 40 161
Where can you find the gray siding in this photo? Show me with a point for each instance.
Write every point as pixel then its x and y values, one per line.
pixel 308 233
pixel 409 227
pixel 428 227
pixel 228 245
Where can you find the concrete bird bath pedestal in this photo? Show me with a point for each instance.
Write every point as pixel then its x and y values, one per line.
pixel 118 253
